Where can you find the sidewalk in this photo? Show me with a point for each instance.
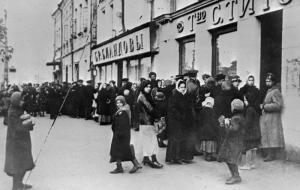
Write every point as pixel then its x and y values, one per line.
pixel 76 157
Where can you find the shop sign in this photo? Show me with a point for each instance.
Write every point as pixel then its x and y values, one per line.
pixel 226 12
pixel 127 46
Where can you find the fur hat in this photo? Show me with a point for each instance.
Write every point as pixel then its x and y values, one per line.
pixel 237 105
pixel 236 78
pixel 121 99
pixel 220 77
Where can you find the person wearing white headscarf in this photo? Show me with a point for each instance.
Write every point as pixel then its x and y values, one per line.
pixel 177 125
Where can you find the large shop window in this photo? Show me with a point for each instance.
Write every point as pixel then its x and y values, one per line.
pixel 133 69
pixel 224 43
pixel 187 54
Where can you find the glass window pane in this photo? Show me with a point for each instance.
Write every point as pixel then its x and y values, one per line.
pixel 188 56
pixel 145 67
pixel 227 54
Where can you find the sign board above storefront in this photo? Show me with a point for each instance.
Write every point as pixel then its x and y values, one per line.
pixel 132 44
pixel 226 12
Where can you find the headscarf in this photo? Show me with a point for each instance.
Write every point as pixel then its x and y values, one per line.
pixel 125 107
pixel 15 100
pixel 209 102
pixel 147 96
pixel 178 83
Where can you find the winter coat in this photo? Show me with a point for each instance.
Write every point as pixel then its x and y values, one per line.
pixel 120 146
pixel 209 130
pixel 178 112
pixel 178 128
pixel 271 124
pixel 223 103
pixel 18 158
pixel 252 129
pixel 252 115
pixel 232 146
pixel 89 95
pixel 147 114
pixel 104 102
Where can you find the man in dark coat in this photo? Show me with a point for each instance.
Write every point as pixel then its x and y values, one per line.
pixel 192 87
pixel 153 81
pixel 89 91
pixel 220 78
pixel 18 157
pixel 80 93
pixel 236 81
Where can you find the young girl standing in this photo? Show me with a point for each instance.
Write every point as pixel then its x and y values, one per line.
pixel 232 147
pixel 121 150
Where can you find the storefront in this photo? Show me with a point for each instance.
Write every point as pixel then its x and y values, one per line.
pixel 243 37
pixel 128 55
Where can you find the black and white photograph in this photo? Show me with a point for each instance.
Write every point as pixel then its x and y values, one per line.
pixel 149 94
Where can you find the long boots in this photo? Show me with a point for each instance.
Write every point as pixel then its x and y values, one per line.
pixel 136 164
pixel 235 176
pixel 119 168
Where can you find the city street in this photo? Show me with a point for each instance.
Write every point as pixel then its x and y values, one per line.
pixel 76 157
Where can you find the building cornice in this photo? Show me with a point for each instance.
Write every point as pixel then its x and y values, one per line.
pixel 165 18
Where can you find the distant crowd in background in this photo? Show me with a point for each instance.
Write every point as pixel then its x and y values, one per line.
pixel 218 119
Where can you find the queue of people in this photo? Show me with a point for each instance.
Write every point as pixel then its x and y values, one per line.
pixel 218 119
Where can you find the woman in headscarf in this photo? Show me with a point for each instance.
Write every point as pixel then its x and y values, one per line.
pixel 250 94
pixel 177 124
pixel 18 158
pixel 104 104
pixel 121 150
pixel 147 116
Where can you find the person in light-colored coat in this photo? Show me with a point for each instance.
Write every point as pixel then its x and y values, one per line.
pixel 272 138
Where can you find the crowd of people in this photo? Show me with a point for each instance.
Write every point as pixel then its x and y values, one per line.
pixel 219 119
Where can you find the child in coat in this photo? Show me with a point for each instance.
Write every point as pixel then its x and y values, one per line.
pixel 208 135
pixel 232 147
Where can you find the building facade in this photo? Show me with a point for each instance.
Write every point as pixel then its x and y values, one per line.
pixel 243 37
pixel 73 36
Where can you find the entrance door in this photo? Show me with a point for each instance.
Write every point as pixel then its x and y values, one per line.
pixel 271 46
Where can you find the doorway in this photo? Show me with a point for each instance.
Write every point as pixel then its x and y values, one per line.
pixel 271 47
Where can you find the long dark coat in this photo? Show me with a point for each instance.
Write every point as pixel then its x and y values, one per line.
pixel 233 144
pixel 223 103
pixel 252 115
pixel 120 146
pixel 178 129
pixel 223 107
pixel 209 130
pixel 104 102
pixel 18 158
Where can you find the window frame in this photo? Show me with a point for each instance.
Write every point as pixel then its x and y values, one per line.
pixel 215 34
pixel 181 42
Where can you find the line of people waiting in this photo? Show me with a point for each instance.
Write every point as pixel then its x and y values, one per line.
pixel 218 119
